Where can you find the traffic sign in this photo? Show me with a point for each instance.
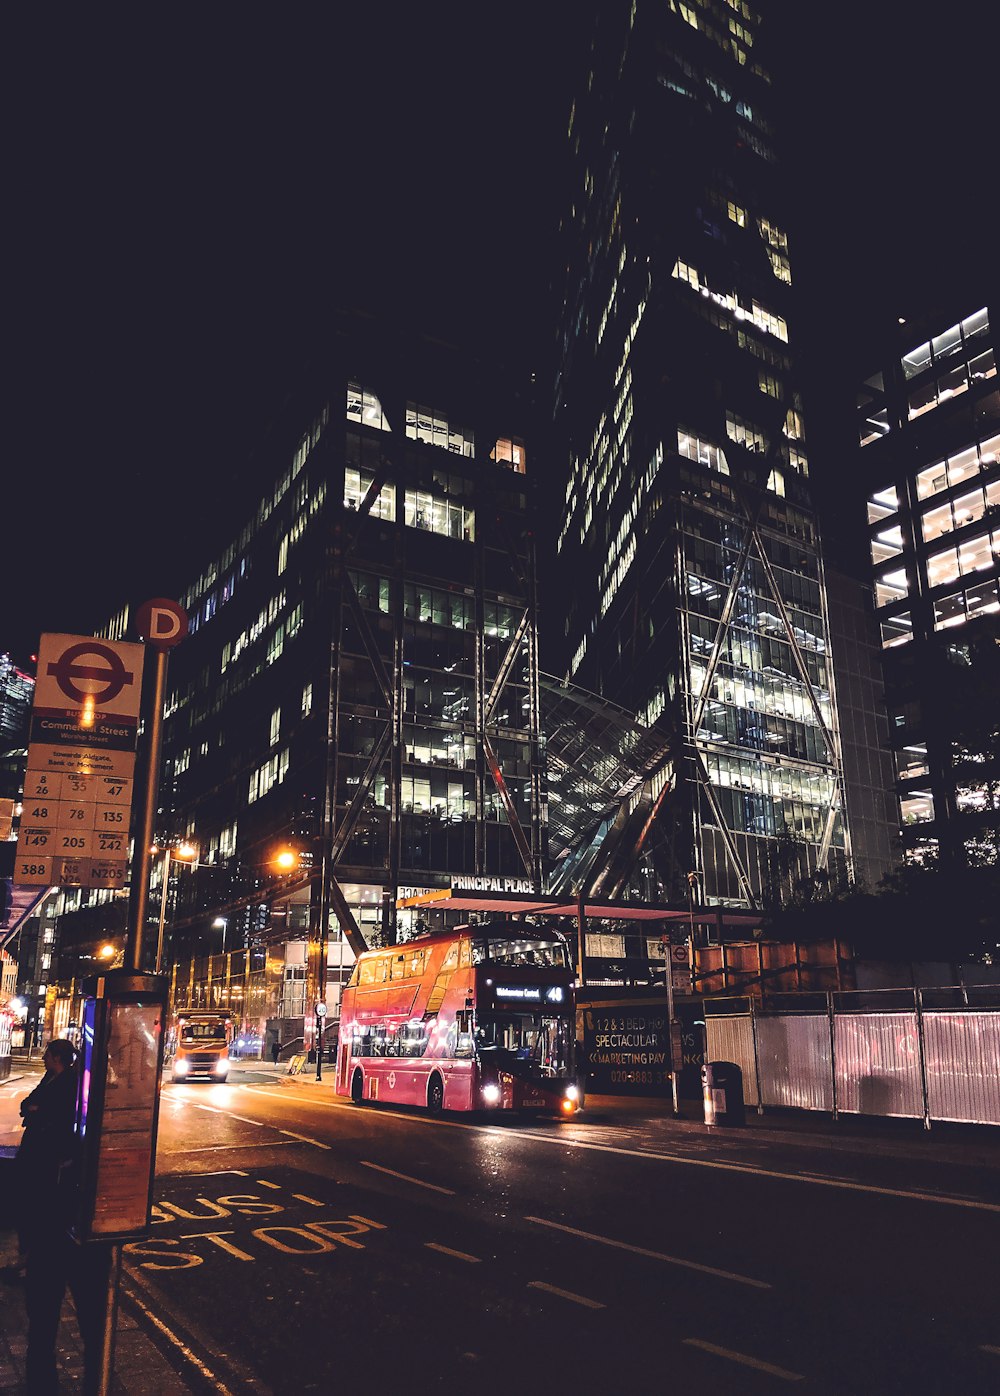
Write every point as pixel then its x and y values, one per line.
pixel 81 763
pixel 161 623
pixel 321 1010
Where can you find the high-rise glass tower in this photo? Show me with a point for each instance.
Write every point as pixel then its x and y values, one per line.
pixel 929 424
pixel 695 594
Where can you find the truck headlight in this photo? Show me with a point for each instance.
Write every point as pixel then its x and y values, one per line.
pixel 222 1066
pixel 572 1093
pixel 491 1094
pixel 180 1067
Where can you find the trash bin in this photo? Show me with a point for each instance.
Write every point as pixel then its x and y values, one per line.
pixel 722 1085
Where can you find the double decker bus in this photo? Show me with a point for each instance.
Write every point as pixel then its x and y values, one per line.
pixel 475 1018
pixel 199 1043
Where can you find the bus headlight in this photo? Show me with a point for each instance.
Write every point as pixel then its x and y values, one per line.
pixel 491 1094
pixel 572 1093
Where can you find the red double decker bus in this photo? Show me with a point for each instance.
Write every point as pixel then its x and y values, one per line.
pixel 475 1018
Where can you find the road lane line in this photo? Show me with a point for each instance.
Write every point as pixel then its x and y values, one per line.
pixel 178 1343
pixel 227 1148
pixel 688 1160
pixel 653 1255
pixel 566 1294
pixel 302 1197
pixel 447 1250
pixel 367 1221
pixel 303 1138
pixel 746 1361
pixel 406 1177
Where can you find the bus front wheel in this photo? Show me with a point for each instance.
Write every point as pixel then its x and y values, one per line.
pixel 357 1088
pixel 435 1095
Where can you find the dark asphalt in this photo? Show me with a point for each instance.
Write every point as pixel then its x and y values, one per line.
pixel 300 1241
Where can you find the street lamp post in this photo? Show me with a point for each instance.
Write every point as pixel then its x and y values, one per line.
pixel 183 853
pixel 220 923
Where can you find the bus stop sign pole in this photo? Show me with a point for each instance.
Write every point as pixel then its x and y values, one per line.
pixel 124 1027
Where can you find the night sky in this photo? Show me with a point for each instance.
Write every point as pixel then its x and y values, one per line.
pixel 191 189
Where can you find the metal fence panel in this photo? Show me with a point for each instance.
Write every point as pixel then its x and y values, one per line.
pixel 962 1052
pixel 731 1040
pixel 878 1064
pixel 794 1055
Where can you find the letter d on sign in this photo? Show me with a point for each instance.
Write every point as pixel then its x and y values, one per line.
pixel 161 623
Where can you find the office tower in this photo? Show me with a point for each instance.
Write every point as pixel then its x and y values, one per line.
pixel 358 688
pixel 929 422
pixel 16 690
pixel 689 548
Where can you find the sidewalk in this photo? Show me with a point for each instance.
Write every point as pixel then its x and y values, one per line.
pixel 140 1367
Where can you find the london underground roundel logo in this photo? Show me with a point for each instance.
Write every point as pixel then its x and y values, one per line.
pixel 90 662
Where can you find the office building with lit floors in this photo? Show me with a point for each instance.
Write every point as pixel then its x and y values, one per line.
pixel 929 427
pixel 354 714
pixel 689 547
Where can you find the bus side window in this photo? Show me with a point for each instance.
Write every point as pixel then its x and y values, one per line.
pixel 399 966
pixel 450 960
pixel 465 954
pixel 463 1037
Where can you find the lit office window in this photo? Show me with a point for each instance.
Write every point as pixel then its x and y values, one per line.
pixel 917 808
pixel 897 630
pixel 356 487
pixel 911 762
pixel 887 544
pixel 364 407
pixel 435 515
pixel 509 452
pixel 882 505
pixel 892 586
pixel 431 425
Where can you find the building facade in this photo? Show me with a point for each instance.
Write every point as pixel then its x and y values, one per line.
pixel 929 429
pixel 697 598
pixel 354 714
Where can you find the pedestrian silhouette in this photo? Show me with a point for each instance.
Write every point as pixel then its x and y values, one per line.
pixel 45 1168
pixel 275 1049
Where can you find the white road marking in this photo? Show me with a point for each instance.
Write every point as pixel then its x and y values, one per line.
pixel 226 1148
pixel 746 1361
pixel 263 1183
pixel 448 1192
pixel 304 1139
pixel 447 1250
pixel 653 1255
pixel 566 1294
pixel 301 1197
pixel 688 1160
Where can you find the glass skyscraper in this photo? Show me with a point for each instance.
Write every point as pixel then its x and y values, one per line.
pixel 695 592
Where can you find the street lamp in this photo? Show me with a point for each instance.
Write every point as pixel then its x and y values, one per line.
pixel 184 853
pixel 220 923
